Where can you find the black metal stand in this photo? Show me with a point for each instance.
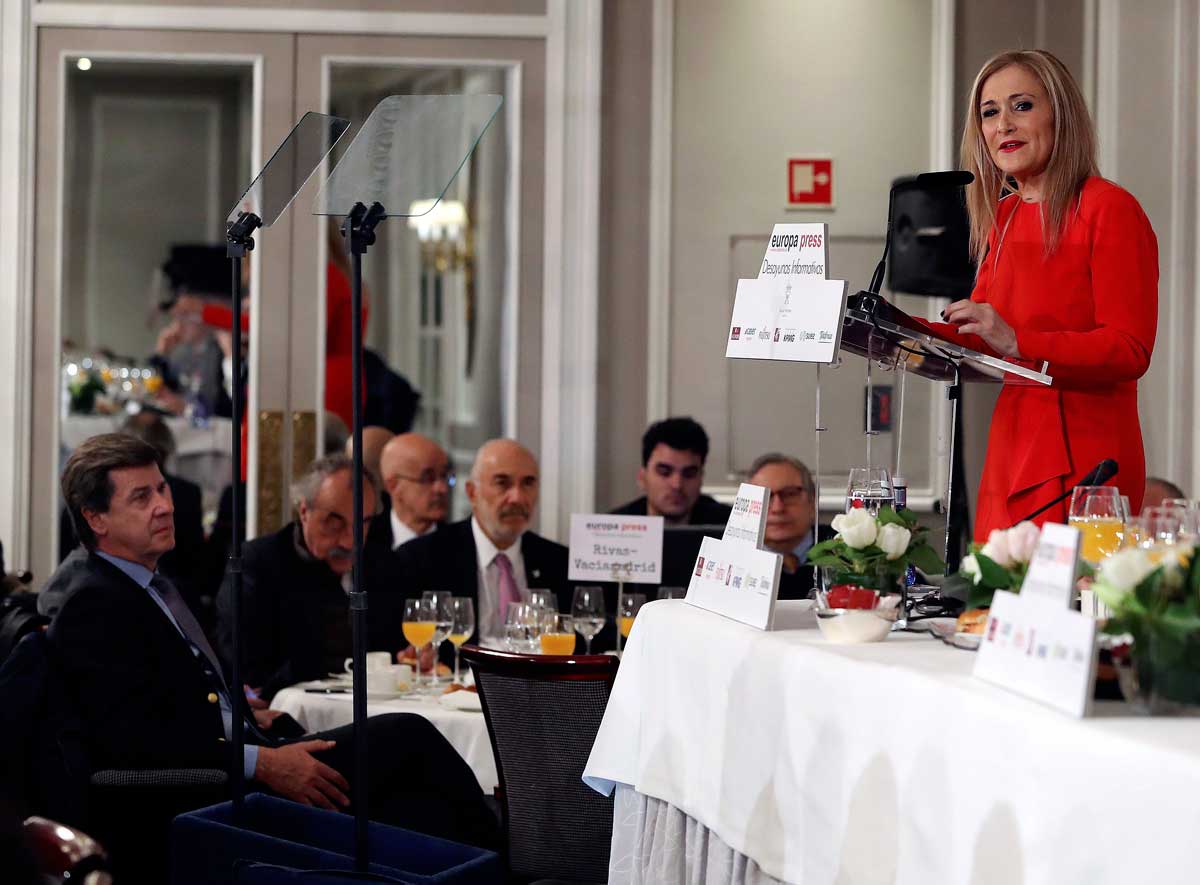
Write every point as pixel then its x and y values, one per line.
pixel 359 231
pixel 239 240
pixel 954 394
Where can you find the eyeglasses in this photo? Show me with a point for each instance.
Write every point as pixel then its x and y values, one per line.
pixel 429 477
pixel 789 495
pixel 330 522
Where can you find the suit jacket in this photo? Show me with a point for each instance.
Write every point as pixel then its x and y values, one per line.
pixel 295 614
pixel 185 564
pixel 797 584
pixel 707 510
pixel 145 701
pixel 447 560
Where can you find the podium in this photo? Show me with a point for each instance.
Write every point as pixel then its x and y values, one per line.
pixel 889 338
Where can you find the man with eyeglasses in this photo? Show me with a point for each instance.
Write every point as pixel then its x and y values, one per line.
pixel 672 473
pixel 790 517
pixel 418 477
pixel 295 584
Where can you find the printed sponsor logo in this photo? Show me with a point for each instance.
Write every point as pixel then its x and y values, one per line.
pixel 776 334
pixel 736 333
pixel 699 566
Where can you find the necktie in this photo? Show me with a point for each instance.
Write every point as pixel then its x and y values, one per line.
pixel 791 562
pixel 184 618
pixel 508 585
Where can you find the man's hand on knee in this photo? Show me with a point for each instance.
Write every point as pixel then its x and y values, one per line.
pixel 294 773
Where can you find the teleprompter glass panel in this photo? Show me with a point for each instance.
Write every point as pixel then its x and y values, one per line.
pixel 407 153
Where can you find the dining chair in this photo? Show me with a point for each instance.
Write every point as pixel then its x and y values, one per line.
pixel 542 714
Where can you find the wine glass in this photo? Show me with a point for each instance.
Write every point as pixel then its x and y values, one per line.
pixel 558 637
pixel 672 592
pixel 587 609
pixel 442 617
pixel 544 599
pixel 523 627
pixel 1097 513
pixel 462 624
pixel 631 604
pixel 419 625
pixel 869 487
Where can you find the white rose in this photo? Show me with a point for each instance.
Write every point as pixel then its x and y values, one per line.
pixel 857 528
pixel 996 548
pixel 1120 573
pixel 893 540
pixel 970 567
pixel 1022 541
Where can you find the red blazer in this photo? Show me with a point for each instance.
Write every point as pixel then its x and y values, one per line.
pixel 1091 309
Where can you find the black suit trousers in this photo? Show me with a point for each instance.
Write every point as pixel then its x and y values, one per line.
pixel 417 780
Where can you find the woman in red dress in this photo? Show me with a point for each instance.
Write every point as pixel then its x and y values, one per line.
pixel 1068 273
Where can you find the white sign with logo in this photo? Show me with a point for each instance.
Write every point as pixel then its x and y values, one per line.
pixel 796 250
pixel 736 580
pixel 797 320
pixel 606 547
pixel 733 576
pixel 1036 648
pixel 748 522
pixel 1052 569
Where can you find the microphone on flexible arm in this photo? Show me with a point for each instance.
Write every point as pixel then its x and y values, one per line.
pixel 1099 475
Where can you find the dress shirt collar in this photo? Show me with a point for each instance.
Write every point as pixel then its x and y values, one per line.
pixel 137 572
pixel 801 550
pixel 401 533
pixel 486 551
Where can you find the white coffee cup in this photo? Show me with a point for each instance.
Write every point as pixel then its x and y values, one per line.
pixel 403 674
pixel 381 681
pixel 376 660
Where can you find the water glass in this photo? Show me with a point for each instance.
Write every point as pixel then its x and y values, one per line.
pixel 440 600
pixel 869 487
pixel 587 611
pixel 523 628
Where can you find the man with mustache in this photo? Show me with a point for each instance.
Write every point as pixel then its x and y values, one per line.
pixel 491 557
pixel 295 584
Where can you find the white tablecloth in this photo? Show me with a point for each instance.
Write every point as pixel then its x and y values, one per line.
pixel 889 762
pixel 466 731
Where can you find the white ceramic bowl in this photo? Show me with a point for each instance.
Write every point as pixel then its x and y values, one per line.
pixel 853 625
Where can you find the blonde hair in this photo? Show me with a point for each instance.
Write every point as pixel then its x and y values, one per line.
pixel 1072 157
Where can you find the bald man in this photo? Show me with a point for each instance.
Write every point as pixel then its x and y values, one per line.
pixel 375 440
pixel 492 557
pixel 418 477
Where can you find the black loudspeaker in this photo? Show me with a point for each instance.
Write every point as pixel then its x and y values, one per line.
pixel 930 252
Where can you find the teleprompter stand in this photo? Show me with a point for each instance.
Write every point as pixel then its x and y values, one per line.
pixel 293 162
pixel 400 163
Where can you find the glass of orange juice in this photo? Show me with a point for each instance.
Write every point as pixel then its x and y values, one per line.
pixel 558 635
pixel 1098 514
pixel 419 625
pixel 631 604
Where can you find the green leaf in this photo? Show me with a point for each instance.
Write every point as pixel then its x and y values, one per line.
pixel 926 559
pixel 980 596
pixel 992 574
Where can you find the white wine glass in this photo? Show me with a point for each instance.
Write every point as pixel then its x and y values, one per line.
pixel 587 610
pixel 462 624
pixel 441 620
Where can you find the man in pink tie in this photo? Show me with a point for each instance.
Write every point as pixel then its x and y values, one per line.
pixel 492 557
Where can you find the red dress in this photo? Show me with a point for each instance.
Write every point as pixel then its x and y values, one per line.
pixel 1091 309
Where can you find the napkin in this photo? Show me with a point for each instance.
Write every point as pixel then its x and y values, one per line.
pixel 461 700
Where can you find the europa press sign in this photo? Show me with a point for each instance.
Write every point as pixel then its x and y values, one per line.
pixel 810 182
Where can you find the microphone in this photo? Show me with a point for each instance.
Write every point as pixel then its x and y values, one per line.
pixel 1099 475
pixel 925 181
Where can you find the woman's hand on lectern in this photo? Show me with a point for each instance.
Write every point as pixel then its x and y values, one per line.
pixel 973 318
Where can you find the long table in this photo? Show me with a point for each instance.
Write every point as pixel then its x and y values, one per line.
pixel 884 762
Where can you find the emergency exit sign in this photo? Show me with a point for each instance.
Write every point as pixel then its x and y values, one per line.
pixel 810 182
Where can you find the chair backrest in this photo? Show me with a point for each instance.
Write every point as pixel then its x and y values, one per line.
pixel 543 713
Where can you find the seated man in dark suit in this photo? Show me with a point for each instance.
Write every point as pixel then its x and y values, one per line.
pixel 671 475
pixel 295 582
pixel 790 518
pixel 418 477
pixel 184 564
pixel 152 694
pixel 491 557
